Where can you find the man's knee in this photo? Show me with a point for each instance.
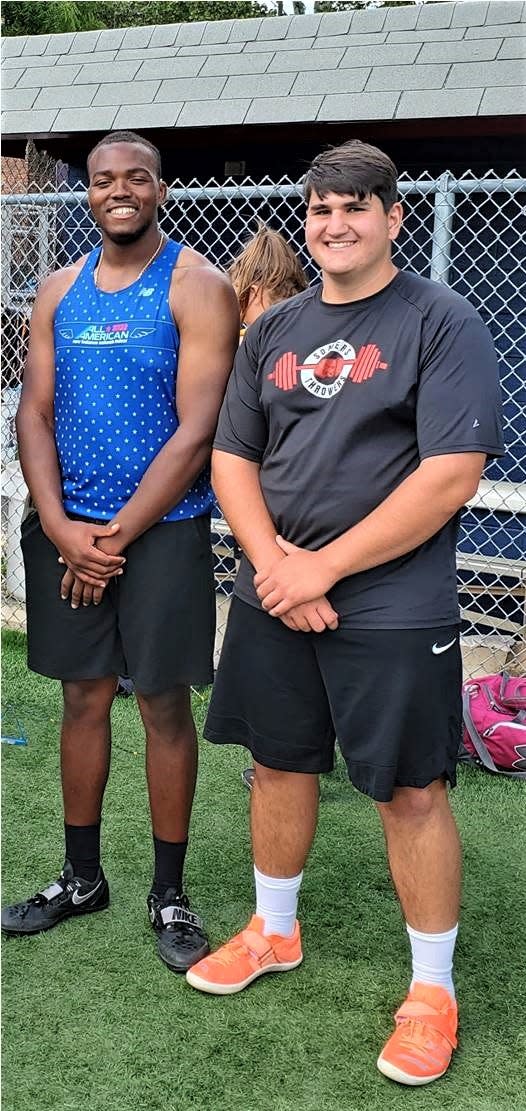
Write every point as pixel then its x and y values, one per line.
pixel 88 699
pixel 414 804
pixel 168 713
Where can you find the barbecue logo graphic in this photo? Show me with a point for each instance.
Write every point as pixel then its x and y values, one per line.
pixel 325 372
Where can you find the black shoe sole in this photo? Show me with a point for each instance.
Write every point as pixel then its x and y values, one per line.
pixel 181 969
pixel 43 929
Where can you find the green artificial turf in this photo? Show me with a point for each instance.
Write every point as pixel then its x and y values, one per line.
pixel 94 1022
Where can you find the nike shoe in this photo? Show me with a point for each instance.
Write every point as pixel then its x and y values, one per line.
pixel 181 940
pixel 67 897
pixel 422 1045
pixel 244 958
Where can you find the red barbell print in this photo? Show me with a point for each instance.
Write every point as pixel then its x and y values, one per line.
pixel 367 361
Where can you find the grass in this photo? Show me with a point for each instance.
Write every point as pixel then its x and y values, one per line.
pixel 93 1021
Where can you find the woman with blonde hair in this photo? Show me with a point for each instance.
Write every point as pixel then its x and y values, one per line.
pixel 266 271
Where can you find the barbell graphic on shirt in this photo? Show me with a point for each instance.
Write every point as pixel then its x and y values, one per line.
pixel 359 369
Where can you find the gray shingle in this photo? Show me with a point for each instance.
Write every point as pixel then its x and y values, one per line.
pixel 111 39
pixel 360 106
pixel 169 67
pixel 165 35
pixel 511 29
pixel 85 41
pixel 506 11
pixel 432 16
pixel 278 45
pixel 31 122
pixel 466 75
pixel 218 30
pixel 304 26
pixel 244 30
pixel 222 113
pixel 16 100
pixel 230 64
pixel 99 57
pixel 13 45
pixel 10 78
pixel 137 37
pixel 439 102
pixel 215 48
pixel 134 92
pixel 381 55
pixel 36 44
pixel 335 41
pixel 330 81
pixel 29 62
pixel 285 110
pixel 367 21
pixel 107 71
pixel 401 18
pixel 138 116
pixel 74 96
pixel 259 85
pixel 469 15
pixel 450 34
pixel 335 23
pixel 190 34
pixel 191 88
pixel 48 76
pixel 274 27
pixel 289 62
pixel 84 119
pixel 513 48
pixel 407 77
pixel 60 44
pixel 478 50
pixel 503 102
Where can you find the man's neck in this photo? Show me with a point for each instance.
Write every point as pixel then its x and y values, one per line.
pixel 124 256
pixel 341 289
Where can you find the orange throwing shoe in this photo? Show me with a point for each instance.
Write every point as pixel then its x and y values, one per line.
pixel 422 1045
pixel 248 955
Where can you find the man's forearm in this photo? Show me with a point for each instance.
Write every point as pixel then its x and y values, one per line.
pixel 238 491
pixel 39 462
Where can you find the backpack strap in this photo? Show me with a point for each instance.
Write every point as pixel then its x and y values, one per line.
pixel 480 748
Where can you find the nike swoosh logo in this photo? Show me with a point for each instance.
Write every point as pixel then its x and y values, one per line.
pixel 437 649
pixel 77 899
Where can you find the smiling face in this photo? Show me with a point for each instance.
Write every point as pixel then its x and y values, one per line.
pixel 124 190
pixel 350 239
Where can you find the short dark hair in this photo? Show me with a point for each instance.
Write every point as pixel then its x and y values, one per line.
pixel 129 137
pixel 356 168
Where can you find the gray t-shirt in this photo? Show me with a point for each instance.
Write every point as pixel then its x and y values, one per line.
pixel 339 404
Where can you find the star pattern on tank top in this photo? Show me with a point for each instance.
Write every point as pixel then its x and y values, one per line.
pixel 115 378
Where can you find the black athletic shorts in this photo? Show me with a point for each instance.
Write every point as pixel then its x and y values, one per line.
pixel 391 697
pixel 155 623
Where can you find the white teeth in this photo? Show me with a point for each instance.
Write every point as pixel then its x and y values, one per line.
pixel 339 246
pixel 122 211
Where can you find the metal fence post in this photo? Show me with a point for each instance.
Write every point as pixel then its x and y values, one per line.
pixel 444 212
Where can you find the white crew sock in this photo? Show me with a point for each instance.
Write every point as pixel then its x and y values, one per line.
pixel 433 957
pixel 277 902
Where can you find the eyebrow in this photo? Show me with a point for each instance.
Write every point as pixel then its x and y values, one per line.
pixel 133 170
pixel 324 204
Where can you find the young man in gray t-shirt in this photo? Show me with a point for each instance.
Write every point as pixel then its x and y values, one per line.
pixel 355 426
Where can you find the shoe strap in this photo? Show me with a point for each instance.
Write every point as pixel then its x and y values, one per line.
pixel 52 891
pixel 258 945
pixel 174 914
pixel 421 1012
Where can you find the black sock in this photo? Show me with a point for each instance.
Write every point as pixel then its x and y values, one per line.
pixel 83 850
pixel 169 864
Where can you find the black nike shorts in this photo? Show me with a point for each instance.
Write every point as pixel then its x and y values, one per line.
pixel 391 697
pixel 155 623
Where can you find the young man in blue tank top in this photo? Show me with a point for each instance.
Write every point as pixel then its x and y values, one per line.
pixel 129 355
pixel 356 424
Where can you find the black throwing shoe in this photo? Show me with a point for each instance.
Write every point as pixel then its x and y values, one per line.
pixel 181 940
pixel 67 897
pixel 247 777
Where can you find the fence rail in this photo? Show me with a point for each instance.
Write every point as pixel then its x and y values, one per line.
pixel 467 232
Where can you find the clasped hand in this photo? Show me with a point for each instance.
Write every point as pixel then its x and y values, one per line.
pixel 92 555
pixel 294 589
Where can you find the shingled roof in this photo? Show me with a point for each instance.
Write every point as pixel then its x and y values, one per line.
pixel 432 60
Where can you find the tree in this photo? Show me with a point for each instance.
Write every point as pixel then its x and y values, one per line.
pixel 37 17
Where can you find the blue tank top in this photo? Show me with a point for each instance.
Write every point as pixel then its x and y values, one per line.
pixel 115 376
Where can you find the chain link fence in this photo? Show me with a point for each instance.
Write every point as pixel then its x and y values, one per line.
pixel 465 232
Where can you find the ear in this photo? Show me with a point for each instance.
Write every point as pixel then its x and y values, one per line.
pixel 394 220
pixel 163 191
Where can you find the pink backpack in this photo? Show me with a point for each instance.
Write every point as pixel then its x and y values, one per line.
pixel 494 710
